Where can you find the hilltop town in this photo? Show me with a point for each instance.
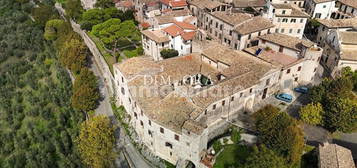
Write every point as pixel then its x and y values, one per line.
pixel 205 83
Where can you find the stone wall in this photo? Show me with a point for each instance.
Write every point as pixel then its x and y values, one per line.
pixel 98 58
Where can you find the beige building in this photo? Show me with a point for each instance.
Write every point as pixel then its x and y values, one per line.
pixel 287 18
pixel 334 156
pixel 340 50
pixel 235 30
pixel 298 59
pixel 346 9
pixel 178 105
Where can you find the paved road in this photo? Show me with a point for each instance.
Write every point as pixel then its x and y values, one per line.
pixel 104 108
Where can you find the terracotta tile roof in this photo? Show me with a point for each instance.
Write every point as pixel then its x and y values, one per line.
pixel 335 156
pixel 164 19
pixel 295 12
pixel 233 18
pixel 348 37
pixel 188 35
pixel 173 30
pixel 190 19
pixel 186 26
pixel 273 57
pixel 145 24
pixel 126 4
pixel 321 1
pixel 287 41
pixel 248 3
pixel 174 3
pixel 177 13
pixel 352 3
pixel 209 4
pixel 156 35
pixel 255 24
pixel 339 23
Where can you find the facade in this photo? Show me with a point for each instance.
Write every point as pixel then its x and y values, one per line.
pixel 334 156
pixel 235 30
pixel 178 124
pixel 298 59
pixel 340 50
pixel 346 9
pixel 177 36
pixel 327 25
pixel 146 9
pixel 320 9
pixel 287 18
pixel 201 8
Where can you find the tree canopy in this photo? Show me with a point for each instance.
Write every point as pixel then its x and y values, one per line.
pixel 280 132
pixel 104 3
pixel 73 55
pixel 96 142
pixel 312 114
pixel 262 157
pixel 73 8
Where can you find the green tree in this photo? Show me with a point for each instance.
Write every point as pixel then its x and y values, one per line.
pixel 42 13
pixel 73 55
pixel 85 92
pixel 168 53
pixel 340 114
pixel 236 135
pixel 53 28
pixel 96 142
pixel 262 157
pixel 93 17
pixel 104 3
pixel 74 8
pixel 280 132
pixel 317 93
pixel 312 114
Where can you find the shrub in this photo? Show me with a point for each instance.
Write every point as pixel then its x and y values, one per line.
pixel 169 53
pixel 235 137
pixel 217 146
pixel 312 114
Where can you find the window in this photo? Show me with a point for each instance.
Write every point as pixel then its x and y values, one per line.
pixel 285 20
pixel 264 41
pixel 282 30
pixel 318 15
pixel 223 102
pixel 122 79
pixel 291 31
pixel 251 90
pixel 162 44
pixel 279 20
pixel 216 24
pixel 122 91
pixel 288 71
pixel 168 145
pixel 241 95
pixel 230 32
pixel 250 36
pixel 299 68
pixel 276 30
pixel 267 82
pixel 221 27
pixel 301 20
pixel 177 138
pixel 238 37
pixel 273 10
pixel 324 6
pixel 293 20
pixel 214 107
pixel 135 115
pixel 283 12
pixel 150 122
pixel 129 100
pixel 281 48
pixel 162 130
pixel 315 70
pixel 232 98
pixel 298 30
pixel 259 33
pixel 141 123
pixel 296 79
pixel 268 31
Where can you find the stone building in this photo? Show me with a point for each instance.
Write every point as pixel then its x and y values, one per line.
pixel 320 9
pixel 298 59
pixel 340 50
pixel 287 18
pixel 235 30
pixel 334 156
pixel 346 9
pixel 176 35
pixel 178 105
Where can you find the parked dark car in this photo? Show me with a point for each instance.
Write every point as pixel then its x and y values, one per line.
pixel 301 89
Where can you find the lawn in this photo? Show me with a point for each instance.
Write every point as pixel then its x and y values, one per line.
pixel 232 155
